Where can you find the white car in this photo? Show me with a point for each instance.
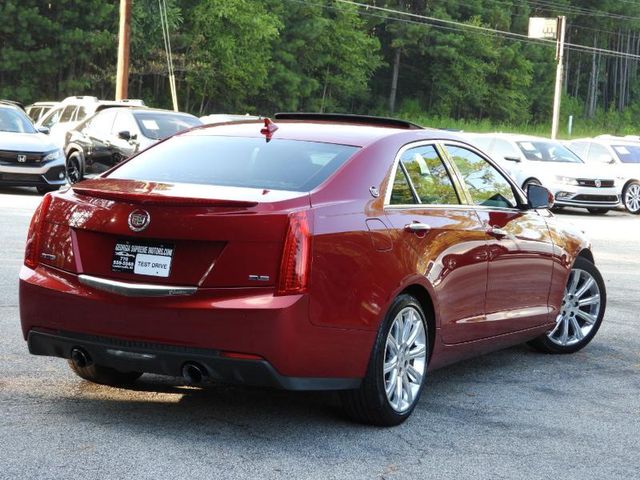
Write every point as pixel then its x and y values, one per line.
pixel 72 110
pixel 536 160
pixel 622 155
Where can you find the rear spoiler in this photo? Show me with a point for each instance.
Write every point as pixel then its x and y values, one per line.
pixel 148 198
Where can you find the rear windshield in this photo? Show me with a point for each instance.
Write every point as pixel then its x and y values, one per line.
pixel 627 153
pixel 237 161
pixel 162 125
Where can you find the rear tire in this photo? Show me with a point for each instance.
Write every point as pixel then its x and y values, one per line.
pixel 598 211
pixel 402 350
pixel 581 312
pixel 74 168
pixel 104 375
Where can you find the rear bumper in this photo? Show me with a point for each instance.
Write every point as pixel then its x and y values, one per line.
pixel 169 360
pixel 240 320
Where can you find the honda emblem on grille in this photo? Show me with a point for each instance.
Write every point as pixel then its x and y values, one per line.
pixel 598 183
pixel 22 158
pixel 139 220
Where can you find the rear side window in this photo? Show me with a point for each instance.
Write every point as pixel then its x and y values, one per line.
pixel 429 176
pixel 401 193
pixel 67 113
pixel 237 161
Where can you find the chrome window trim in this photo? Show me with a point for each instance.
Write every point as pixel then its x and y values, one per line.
pixel 392 176
pixel 130 289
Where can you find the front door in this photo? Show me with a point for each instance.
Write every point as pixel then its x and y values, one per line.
pixel 519 246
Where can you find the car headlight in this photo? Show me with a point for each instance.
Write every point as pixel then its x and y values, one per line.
pixel 53 155
pixel 566 180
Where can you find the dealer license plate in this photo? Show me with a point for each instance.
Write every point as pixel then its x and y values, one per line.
pixel 142 258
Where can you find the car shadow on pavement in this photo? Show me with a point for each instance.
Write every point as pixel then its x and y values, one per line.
pixel 169 407
pixel 25 191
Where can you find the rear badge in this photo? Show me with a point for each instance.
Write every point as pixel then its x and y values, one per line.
pixel 259 278
pixel 139 220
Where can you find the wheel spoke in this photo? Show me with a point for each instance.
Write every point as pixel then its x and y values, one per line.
pixel 588 318
pixel 416 376
pixel 558 324
pixel 399 389
pixel 590 282
pixel 392 345
pixel 593 300
pixel 564 335
pixel 417 352
pixel 413 334
pixel 391 383
pixel 406 387
pixel 575 278
pixel 577 331
pixel 391 365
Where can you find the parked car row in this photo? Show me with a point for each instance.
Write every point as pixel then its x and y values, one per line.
pixel 76 138
pixel 598 174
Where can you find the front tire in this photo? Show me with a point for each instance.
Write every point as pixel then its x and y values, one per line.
pixel 395 376
pixel 581 311
pixel 631 198
pixel 104 375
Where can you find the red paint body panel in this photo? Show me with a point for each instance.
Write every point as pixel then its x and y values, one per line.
pixel 486 293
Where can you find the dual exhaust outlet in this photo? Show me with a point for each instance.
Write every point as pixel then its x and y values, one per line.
pixel 192 372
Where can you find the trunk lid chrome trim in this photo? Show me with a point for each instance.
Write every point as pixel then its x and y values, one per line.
pixel 130 289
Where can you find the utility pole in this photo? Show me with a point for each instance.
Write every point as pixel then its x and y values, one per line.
pixel 124 38
pixel 562 20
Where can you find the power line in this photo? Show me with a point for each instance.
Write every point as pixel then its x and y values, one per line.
pixel 460 25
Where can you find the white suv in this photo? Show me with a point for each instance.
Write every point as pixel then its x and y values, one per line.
pixel 536 160
pixel 72 110
pixel 620 154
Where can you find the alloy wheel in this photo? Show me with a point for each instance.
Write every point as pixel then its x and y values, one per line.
pixel 632 198
pixel 579 310
pixel 405 359
pixel 73 170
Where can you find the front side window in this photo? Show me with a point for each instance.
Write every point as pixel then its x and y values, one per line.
pixel 503 149
pixel 52 118
pixel 486 185
pixel 599 154
pixel 429 176
pixel 547 151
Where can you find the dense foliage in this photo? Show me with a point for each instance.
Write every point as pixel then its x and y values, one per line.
pixel 261 56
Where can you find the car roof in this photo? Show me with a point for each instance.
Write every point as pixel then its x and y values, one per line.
pixel 344 133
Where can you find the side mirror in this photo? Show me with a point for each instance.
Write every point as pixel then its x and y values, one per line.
pixel 512 159
pixel 539 197
pixel 44 130
pixel 124 135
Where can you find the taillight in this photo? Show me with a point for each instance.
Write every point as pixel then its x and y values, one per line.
pixel 296 256
pixel 34 237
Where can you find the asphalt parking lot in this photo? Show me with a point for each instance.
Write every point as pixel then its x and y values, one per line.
pixel 511 414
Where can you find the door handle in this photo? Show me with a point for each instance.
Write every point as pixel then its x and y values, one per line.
pixel 497 232
pixel 417 227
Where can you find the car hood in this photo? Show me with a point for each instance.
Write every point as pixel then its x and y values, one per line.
pixel 25 142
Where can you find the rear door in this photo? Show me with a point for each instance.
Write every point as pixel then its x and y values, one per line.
pixel 519 245
pixel 446 237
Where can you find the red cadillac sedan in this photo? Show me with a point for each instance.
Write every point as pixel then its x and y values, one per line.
pixel 311 252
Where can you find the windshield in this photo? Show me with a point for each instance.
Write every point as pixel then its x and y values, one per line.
pixel 162 125
pixel 14 121
pixel 238 162
pixel 542 151
pixel 627 153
